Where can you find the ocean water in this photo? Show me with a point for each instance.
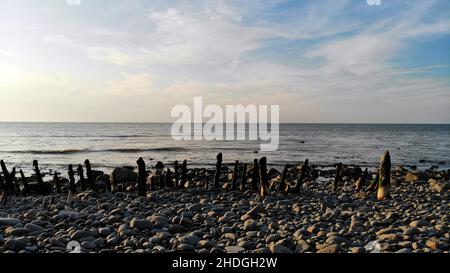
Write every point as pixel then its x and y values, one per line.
pixel 108 145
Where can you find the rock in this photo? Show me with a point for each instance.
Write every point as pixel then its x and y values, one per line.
pixel 80 234
pixel 205 244
pixel 335 240
pixel 411 231
pixel 358 250
pixel 404 250
pixel 272 238
pixel 389 237
pixel 123 175
pixel 250 225
pixel 255 211
pixel 234 249
pixel 419 223
pixel 302 246
pixel 388 230
pixel 416 176
pixel 277 248
pixel 17 231
pixel 33 227
pixel 141 224
pixel 15 245
pixel 329 249
pixel 104 231
pixel 433 243
pixel 185 248
pixel 57 243
pixel 9 222
pixel 438 186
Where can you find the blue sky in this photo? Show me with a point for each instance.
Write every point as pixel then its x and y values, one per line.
pixel 321 61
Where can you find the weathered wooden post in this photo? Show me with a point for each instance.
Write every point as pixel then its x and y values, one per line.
pixel 26 188
pixel 81 174
pixel 282 187
pixel 302 177
pixel 168 179
pixel 39 177
pixel 255 178
pixel 160 174
pixel 9 186
pixel 337 177
pixel 360 184
pixel 177 182
pixel 243 178
pixel 90 176
pixel 184 173
pixel 57 182
pixel 2 184
pixel 142 180
pixel 264 182
pixel 14 180
pixel 72 185
pixel 235 174
pixel 218 170
pixel 385 177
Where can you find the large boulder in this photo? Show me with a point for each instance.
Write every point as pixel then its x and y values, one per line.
pixel 122 175
pixel 438 186
pixel 416 176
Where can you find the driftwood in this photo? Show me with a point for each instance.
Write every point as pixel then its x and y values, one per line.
pixel 385 177
pixel 337 177
pixel 26 188
pixel 184 173
pixel 142 180
pixel 243 178
pixel 82 180
pixel 218 170
pixel 72 185
pixel 40 181
pixel 235 174
pixel 360 184
pixel 255 177
pixel 302 177
pixel 90 176
pixel 282 187
pixel 57 182
pixel 264 181
pixel 177 182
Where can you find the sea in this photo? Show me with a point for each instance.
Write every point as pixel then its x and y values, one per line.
pixel 109 145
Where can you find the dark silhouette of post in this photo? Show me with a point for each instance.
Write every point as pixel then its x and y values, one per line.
pixel 168 179
pixel 235 174
pixel 176 174
pixel 72 185
pixel 2 184
pixel 184 173
pixel 337 177
pixel 218 170
pixel 255 177
pixel 385 177
pixel 90 176
pixel 9 185
pixel 243 178
pixel 302 177
pixel 142 181
pixel 40 182
pixel 14 180
pixel 57 182
pixel 264 181
pixel 81 174
pixel 26 188
pixel 283 186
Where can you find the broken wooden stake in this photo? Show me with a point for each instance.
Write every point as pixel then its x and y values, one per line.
pixel 14 180
pixel 385 177
pixel 360 184
pixel 142 179
pixel 72 185
pixel 168 179
pixel 184 173
pixel 26 188
pixel 255 177
pixel 243 178
pixel 337 177
pixel 234 179
pixel 218 170
pixel 177 182
pixel 264 181
pixel 81 174
pixel 302 176
pixel 57 182
pixel 283 186
pixel 90 176
pixel 9 185
pixel 39 177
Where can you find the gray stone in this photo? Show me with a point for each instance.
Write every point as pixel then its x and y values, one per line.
pixel 9 222
pixel 250 225
pixel 80 234
pixel 15 245
pixel 234 249
pixel 141 224
pixel 185 248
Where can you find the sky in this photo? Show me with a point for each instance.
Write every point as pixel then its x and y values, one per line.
pixel 132 61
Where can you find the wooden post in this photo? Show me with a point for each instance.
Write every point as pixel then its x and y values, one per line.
pixel 2 184
pixel 160 173
pixel 9 186
pixel 264 182
pixel 169 179
pixel 218 170
pixel 142 181
pixel 255 178
pixel 57 182
pixel 243 178
pixel 236 165
pixel 177 182
pixel 14 180
pixel 184 173
pixel 81 174
pixel 373 185
pixel 362 181
pixel 72 185
pixel 90 176
pixel 26 188
pixel 385 177
pixel 39 177
pixel 282 187
pixel 337 177
pixel 302 177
